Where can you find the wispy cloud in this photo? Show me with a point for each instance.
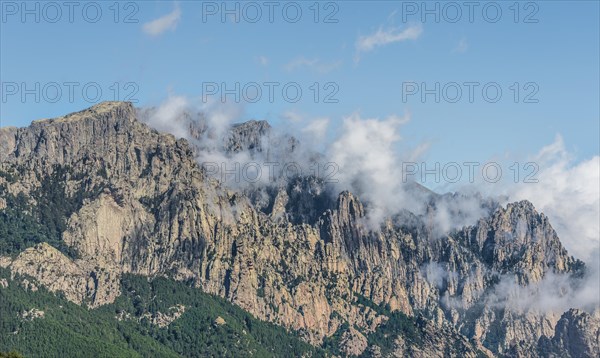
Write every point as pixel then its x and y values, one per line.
pixel 314 64
pixel 262 60
pixel 164 23
pixel 317 128
pixel 386 36
pixel 292 116
pixel 462 46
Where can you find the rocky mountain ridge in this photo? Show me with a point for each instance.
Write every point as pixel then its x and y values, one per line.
pixel 137 201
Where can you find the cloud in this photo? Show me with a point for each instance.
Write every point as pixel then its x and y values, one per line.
pixel 569 194
pixel 262 60
pixel 178 114
pixel 164 23
pixel 365 154
pixel 292 117
pixel 311 132
pixel 168 116
pixel 462 46
pixel 370 165
pixel 317 128
pixel 365 151
pixel 314 64
pixel 436 274
pixel 207 127
pixel 387 36
pixel 554 293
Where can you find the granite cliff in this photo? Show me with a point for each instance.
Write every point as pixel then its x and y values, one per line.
pixel 136 201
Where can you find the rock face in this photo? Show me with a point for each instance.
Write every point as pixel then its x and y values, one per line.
pixel 81 281
pixel 577 334
pixel 296 257
pixel 353 342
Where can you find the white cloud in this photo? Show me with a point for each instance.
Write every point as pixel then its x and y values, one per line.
pixel 370 165
pixel 554 293
pixel 436 273
pixel 314 64
pixel 175 114
pixel 310 131
pixel 164 23
pixel 168 116
pixel 387 36
pixel 367 160
pixel 569 194
pixel 317 128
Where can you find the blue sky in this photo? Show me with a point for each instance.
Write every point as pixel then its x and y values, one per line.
pixel 367 57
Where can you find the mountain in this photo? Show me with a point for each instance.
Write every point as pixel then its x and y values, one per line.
pixel 97 199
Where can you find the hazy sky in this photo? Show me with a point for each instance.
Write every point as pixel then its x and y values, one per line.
pixel 374 58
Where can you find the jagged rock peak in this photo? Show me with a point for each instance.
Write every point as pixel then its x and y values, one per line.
pixel 108 109
pixel 253 124
pixel 523 205
pixel 349 204
pixel 577 334
pixel 247 136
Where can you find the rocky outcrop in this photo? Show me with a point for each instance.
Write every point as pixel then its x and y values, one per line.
pixel 437 343
pixel 32 314
pixel 294 253
pixel 577 334
pixel 247 136
pixel 353 343
pixel 159 319
pixel 81 281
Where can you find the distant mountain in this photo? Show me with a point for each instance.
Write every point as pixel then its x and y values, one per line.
pixel 103 211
